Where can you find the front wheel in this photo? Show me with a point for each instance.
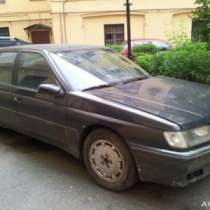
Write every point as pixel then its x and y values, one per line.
pixel 109 161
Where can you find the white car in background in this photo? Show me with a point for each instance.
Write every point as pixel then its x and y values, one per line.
pixel 161 44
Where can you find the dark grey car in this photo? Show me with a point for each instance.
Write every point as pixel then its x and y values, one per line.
pixel 107 111
pixel 10 41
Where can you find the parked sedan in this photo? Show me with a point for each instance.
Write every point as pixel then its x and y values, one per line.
pixel 10 41
pixel 102 108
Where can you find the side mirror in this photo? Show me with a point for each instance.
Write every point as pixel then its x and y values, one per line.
pixel 50 89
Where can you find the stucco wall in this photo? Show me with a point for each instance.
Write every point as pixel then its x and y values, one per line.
pixel 82 21
pixel 92 27
pixel 18 14
pixel 19 6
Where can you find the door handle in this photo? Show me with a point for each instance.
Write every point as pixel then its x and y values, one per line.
pixel 18 99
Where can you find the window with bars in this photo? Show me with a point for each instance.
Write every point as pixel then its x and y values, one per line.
pixel 114 34
pixel 196 35
pixel 4 31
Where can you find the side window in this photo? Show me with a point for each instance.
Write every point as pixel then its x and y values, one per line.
pixel 33 71
pixel 7 62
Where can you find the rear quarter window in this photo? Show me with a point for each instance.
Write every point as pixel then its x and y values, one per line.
pixel 7 62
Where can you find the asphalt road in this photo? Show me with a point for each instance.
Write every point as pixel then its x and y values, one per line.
pixel 36 176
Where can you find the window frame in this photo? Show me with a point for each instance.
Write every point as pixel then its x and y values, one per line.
pixel 8 32
pixel 51 69
pixel 111 25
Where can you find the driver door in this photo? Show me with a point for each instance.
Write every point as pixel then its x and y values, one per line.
pixel 39 115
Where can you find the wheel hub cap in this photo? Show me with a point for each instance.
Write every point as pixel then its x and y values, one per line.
pixel 106 161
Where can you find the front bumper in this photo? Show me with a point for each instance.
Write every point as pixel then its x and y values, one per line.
pixel 171 168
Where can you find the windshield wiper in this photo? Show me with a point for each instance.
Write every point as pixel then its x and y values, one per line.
pixel 134 79
pixel 116 83
pixel 98 87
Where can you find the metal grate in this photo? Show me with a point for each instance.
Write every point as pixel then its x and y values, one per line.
pixel 4 31
pixel 114 34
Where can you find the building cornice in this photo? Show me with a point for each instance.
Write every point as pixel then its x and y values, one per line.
pixel 25 16
pixel 133 12
pixel 9 14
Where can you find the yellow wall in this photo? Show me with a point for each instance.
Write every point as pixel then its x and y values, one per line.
pixel 92 30
pixel 82 21
pixel 19 14
pixel 11 6
pixel 182 22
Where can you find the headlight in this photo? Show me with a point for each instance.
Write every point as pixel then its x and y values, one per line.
pixel 189 138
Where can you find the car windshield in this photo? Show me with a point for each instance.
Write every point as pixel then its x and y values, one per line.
pixel 85 69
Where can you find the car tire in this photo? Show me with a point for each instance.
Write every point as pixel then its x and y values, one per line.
pixel 108 160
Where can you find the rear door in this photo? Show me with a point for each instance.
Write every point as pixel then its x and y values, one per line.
pixel 8 114
pixel 39 115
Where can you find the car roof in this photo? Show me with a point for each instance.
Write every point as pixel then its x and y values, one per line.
pixel 6 37
pixel 50 47
pixel 148 39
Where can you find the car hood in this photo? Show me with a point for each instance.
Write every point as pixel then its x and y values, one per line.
pixel 182 102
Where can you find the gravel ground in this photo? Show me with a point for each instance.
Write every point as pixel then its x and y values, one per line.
pixel 36 176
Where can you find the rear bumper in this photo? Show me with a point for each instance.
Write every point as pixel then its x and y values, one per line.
pixel 171 168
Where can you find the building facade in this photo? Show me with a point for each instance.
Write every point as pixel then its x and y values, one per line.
pixel 29 20
pixel 97 22
pixel 103 21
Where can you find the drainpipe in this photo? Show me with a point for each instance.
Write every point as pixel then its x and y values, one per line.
pixel 61 27
pixel 64 22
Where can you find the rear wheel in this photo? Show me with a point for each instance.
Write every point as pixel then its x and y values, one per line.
pixel 109 161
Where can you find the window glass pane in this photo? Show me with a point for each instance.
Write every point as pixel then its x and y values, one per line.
pixel 7 42
pixel 114 34
pixel 4 31
pixel 7 61
pixel 196 33
pixel 34 71
pixel 90 68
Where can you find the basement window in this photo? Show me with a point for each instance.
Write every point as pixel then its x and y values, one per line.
pixel 4 31
pixel 114 34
